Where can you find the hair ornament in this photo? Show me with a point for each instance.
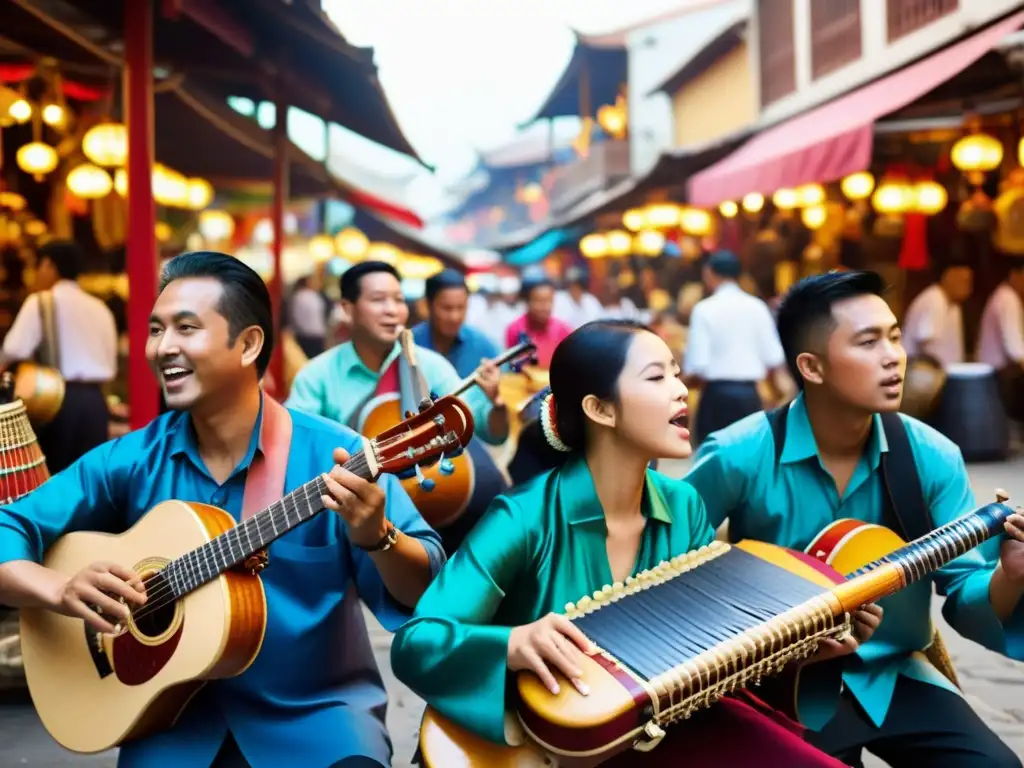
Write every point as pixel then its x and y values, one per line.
pixel 549 424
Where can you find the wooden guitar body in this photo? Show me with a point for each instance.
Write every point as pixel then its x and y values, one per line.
pixel 93 691
pixel 451 478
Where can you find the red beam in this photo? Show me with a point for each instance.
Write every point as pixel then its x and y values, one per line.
pixel 141 239
pixel 281 144
pixel 212 16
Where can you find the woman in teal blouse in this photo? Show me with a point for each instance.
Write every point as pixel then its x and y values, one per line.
pixel 617 403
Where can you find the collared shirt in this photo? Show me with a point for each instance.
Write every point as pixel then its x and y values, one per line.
pixel 86 333
pixel 469 348
pixel 1001 338
pixel 546 338
pixel 736 475
pixel 540 545
pixel 575 313
pixel 934 325
pixel 732 337
pixel 314 695
pixel 335 384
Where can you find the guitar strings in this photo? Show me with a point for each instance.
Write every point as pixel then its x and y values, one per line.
pixel 165 596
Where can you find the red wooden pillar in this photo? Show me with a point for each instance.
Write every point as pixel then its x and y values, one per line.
pixel 277 217
pixel 141 238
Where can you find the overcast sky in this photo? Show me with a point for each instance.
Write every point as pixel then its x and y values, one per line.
pixel 460 74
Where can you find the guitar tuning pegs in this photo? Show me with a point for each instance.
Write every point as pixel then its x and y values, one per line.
pixel 446 467
pixel 426 483
pixel 1001 496
pixel 425 404
pixel 409 414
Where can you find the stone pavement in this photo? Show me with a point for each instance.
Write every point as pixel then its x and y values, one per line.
pixel 994 685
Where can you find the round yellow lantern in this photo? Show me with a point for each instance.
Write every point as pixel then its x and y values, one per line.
pixel 728 209
pixel 786 199
pixel 199 194
pixel 619 243
pixel 594 246
pixel 121 182
pixel 858 186
pixel 810 195
pixel 695 221
pixel 634 220
pixel 814 216
pixel 649 242
pixel 753 202
pixel 89 182
pixel 216 226
pixel 662 215
pixel 321 247
pixel 351 244
pixel 37 158
pixel 385 252
pixel 893 198
pixel 20 111
pixel 976 155
pixel 106 144
pixel 930 197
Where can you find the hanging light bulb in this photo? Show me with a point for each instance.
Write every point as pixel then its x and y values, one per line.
pixel 199 195
pixel 216 226
pixel 53 115
pixel 20 111
pixel 351 244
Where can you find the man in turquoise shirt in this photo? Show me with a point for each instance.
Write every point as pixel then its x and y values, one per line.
pixel 346 382
pixel 313 696
pixel 842 345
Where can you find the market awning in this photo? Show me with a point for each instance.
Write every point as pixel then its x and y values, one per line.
pixel 836 138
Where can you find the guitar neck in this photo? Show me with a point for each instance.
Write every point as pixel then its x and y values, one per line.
pixel 923 556
pixel 255 533
pixel 499 361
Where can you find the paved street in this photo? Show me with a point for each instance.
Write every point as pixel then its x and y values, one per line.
pixel 994 685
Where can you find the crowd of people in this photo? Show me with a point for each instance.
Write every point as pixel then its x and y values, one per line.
pixel 480 596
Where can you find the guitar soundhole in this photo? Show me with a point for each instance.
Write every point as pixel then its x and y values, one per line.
pixel 154 617
pixel 153 623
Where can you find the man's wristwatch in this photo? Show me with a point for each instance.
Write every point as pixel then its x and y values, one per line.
pixel 385 543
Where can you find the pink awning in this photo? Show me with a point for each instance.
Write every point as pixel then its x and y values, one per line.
pixel 836 138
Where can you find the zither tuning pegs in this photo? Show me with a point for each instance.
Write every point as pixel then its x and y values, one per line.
pixel 1001 496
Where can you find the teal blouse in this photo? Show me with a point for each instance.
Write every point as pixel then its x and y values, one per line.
pixel 539 546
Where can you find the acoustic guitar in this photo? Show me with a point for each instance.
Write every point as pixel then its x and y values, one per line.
pixel 442 490
pixel 876 563
pixel 206 613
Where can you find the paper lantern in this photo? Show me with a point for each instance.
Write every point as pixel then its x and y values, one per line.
pixel 37 158
pixel 199 194
pixel 594 246
pixel 121 182
pixel 810 195
pixel 619 243
pixel 385 252
pixel 649 242
pixel 662 215
pixel 634 220
pixel 695 221
pixel 20 111
pixel 351 244
pixel 753 202
pixel 728 209
pixel 786 199
pixel 976 155
pixel 321 247
pixel 89 182
pixel 930 197
pixel 893 198
pixel 858 186
pixel 106 144
pixel 814 216
pixel 216 226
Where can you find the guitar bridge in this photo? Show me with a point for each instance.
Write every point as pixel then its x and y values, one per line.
pixel 256 562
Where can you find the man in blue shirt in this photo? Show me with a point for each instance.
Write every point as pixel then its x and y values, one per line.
pixel 445 330
pixel 313 696
pixel 843 348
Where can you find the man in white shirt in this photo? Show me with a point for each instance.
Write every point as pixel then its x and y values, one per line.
pixel 732 345
pixel 575 305
pixel 86 353
pixel 934 324
pixel 1001 339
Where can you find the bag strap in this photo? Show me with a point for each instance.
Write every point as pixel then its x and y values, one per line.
pixel 904 495
pixel 49 349
pixel 264 481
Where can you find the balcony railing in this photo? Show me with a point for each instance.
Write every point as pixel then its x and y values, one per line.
pixel 777 49
pixel 835 35
pixel 906 16
pixel 606 164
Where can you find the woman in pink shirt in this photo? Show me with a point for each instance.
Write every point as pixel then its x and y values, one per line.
pixel 537 323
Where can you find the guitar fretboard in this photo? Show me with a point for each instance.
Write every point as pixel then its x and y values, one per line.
pixel 233 547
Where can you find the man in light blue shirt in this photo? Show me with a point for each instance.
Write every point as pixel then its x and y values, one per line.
pixel 347 382
pixel 842 345
pixel 313 696
pixel 445 330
